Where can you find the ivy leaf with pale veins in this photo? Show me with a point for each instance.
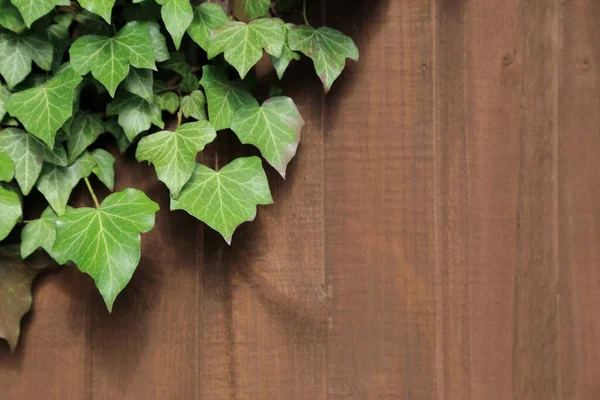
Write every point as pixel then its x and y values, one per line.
pixel 32 10
pixel 177 16
pixel 4 96
pixel 243 44
pixel 328 48
pixel 10 17
pixel 27 155
pixel 167 101
pixel 136 115
pixel 39 233
pixel 274 128
pixel 84 131
pixel 17 52
pixel 174 153
pixel 56 183
pixel 16 277
pixel 102 8
pixel 207 16
pixel 159 42
pixel 282 63
pixel 105 242
pixel 10 210
pixel 7 168
pixel 44 109
pixel 194 106
pixel 140 82
pixel 109 59
pixel 104 168
pixel 225 199
pixel 224 97
pixel 247 10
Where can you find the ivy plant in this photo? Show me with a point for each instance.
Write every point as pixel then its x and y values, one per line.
pixel 159 78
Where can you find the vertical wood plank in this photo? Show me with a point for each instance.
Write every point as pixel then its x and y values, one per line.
pixel 379 205
pixel 579 200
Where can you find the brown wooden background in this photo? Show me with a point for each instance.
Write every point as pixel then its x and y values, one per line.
pixel 438 236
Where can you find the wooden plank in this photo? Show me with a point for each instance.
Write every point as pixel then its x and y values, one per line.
pixel 579 200
pixel 379 205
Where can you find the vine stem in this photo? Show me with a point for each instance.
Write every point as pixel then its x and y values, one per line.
pixel 304 13
pixel 89 186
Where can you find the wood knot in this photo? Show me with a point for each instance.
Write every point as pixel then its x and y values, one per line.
pixel 584 64
pixel 508 58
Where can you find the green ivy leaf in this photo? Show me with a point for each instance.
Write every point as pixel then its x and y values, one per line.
pixel 207 16
pixel 105 242
pixel 174 153
pixel 26 153
pixel 109 59
pixel 7 168
pixel 167 101
pixel 102 8
pixel 56 183
pixel 17 52
pixel 224 97
pixel 57 156
pixel 178 64
pixel 177 16
pixel 243 43
pixel 247 10
pixel 281 63
pixel 59 37
pixel 112 126
pixel 10 17
pixel 16 277
pixel 32 10
pixel 10 210
pixel 274 128
pixel 105 167
pixel 194 105
pixel 140 82
pixel 225 199
pixel 4 95
pixel 44 109
pixel 39 233
pixel 84 131
pixel 328 48
pixel 136 115
pixel 159 42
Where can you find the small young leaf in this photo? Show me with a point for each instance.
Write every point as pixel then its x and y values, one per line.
pixel 136 115
pixel 7 168
pixel 105 167
pixel 207 16
pixel 167 101
pixel 105 242
pixel 177 15
pixel 247 10
pixel 10 210
pixel 10 17
pixel 140 83
pixel 159 42
pixel 56 183
pixel 224 97
pixel 274 128
pixel 102 8
pixel 26 153
pixel 194 105
pixel 109 59
pixel 225 199
pixel 174 153
pixel 44 109
pixel 32 10
pixel 39 233
pixel 17 52
pixel 281 63
pixel 243 43
pixel 16 277
pixel 328 48
pixel 84 131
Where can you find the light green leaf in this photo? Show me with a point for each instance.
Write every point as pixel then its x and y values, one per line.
pixel 112 126
pixel 84 131
pixel 44 109
pixel 167 101
pixel 274 128
pixel 102 8
pixel 105 167
pixel 39 233
pixel 224 97
pixel 328 48
pixel 10 210
pixel 7 168
pixel 10 17
pixel 177 15
pixel 109 59
pixel 17 52
pixel 243 43
pixel 32 10
pixel 105 242
pixel 178 64
pixel 281 63
pixel 247 10
pixel 174 153
pixel 194 106
pixel 140 83
pixel 159 42
pixel 56 183
pixel 4 95
pixel 26 153
pixel 136 115
pixel 207 16
pixel 225 199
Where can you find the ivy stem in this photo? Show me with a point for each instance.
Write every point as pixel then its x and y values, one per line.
pixel 179 116
pixel 89 186
pixel 304 13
